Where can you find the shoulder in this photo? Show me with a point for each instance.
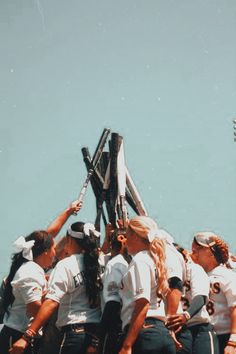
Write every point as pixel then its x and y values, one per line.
pixel 119 259
pixel 173 257
pixel 194 267
pixel 70 262
pixel 29 269
pixel 104 258
pixel 142 258
pixel 223 274
pixel 196 274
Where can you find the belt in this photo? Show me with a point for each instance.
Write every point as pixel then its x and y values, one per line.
pixel 147 321
pixel 80 327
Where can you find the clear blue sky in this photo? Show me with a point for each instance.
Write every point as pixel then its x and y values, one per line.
pixel 162 73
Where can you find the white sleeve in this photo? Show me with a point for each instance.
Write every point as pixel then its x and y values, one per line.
pixel 112 281
pixel 199 281
pixel 58 283
pixel 140 281
pixel 30 289
pixel 173 264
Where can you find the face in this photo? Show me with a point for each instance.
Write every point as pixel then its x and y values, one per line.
pixel 134 243
pixel 49 255
pixel 68 245
pixel 202 255
pixel 130 244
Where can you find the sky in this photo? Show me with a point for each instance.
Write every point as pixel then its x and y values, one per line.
pixel 161 73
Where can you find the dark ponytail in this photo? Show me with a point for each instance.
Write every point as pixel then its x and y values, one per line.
pixel 93 283
pixel 43 242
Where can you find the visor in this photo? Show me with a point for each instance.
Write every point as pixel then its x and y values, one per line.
pixel 205 239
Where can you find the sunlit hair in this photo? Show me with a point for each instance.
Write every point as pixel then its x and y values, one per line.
pixel 221 250
pixel 141 226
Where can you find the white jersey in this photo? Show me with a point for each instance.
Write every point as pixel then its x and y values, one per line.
pixel 114 272
pixel 28 285
pixel 222 297
pixel 174 260
pixel 197 283
pixel 140 281
pixel 175 263
pixel 67 287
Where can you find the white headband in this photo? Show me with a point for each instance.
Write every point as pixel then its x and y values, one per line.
pixel 75 234
pixel 86 231
pixel 25 247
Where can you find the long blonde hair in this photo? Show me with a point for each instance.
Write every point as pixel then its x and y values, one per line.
pixel 144 226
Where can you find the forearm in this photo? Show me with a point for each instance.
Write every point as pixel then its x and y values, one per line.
pixel 136 323
pixel 197 303
pixel 172 301
pixel 33 308
pixel 60 220
pixel 175 322
pixel 43 315
pixel 45 312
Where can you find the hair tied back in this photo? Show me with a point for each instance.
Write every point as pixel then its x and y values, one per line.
pixel 20 245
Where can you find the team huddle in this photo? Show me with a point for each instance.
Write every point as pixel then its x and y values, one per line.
pixel 137 293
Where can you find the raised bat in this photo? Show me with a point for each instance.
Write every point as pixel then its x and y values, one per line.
pixel 96 157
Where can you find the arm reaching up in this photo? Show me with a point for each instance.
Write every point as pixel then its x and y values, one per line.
pixel 60 220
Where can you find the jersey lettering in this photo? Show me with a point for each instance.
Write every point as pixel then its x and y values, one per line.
pixel 210 307
pixel 79 279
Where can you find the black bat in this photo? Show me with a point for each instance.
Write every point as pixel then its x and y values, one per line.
pixel 96 157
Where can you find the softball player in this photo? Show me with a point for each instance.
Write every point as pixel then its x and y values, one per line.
pixel 74 287
pixel 144 332
pixel 111 302
pixel 195 315
pixel 176 271
pixel 211 252
pixel 25 285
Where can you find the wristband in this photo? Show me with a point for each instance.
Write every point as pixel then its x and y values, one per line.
pixel 29 335
pixel 232 337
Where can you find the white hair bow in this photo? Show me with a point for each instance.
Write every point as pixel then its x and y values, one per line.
pixel 25 247
pixel 90 227
pixel 152 234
